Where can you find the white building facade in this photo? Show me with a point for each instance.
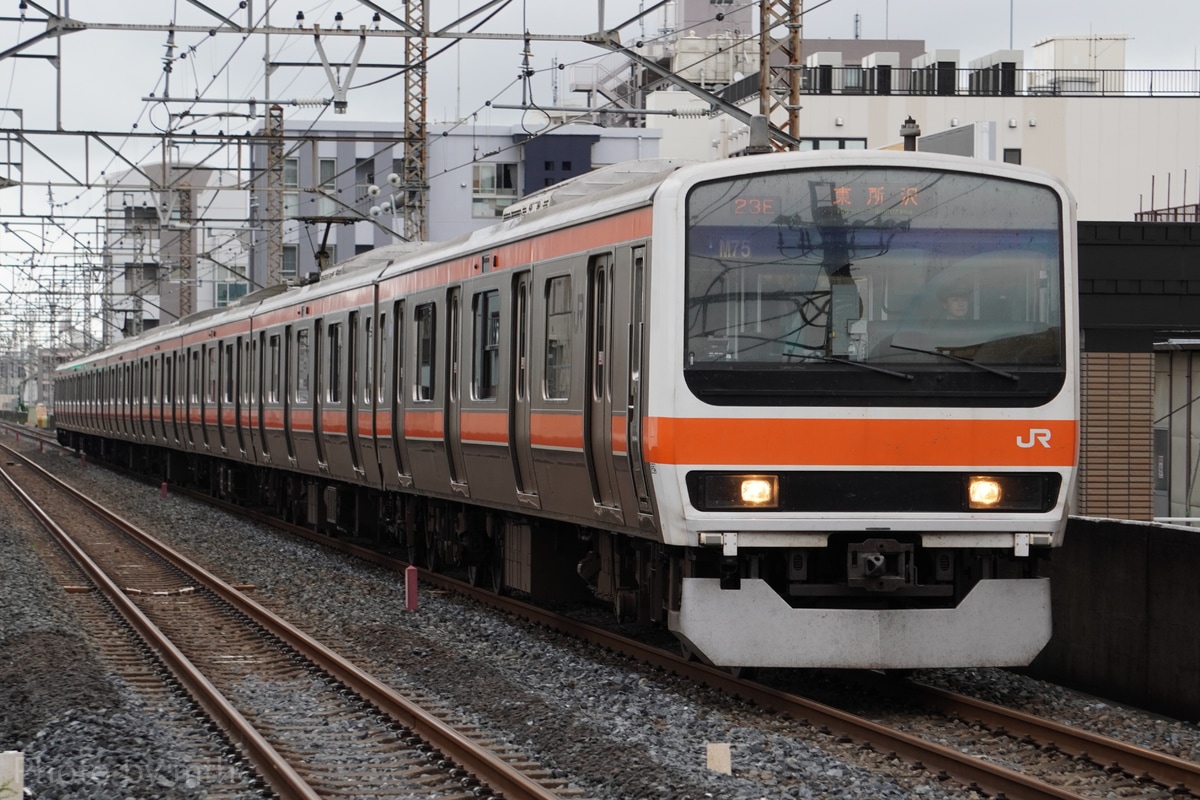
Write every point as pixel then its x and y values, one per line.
pixel 175 243
pixel 1113 135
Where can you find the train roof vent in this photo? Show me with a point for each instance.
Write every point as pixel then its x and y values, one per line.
pixel 590 183
pixel 375 258
pixel 202 314
pixel 262 294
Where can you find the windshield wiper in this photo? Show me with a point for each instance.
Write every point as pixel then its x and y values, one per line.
pixel 864 365
pixel 959 359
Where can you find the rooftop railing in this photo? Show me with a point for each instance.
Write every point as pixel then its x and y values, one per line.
pixel 1000 80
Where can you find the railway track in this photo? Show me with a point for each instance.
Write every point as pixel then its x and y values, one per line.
pixel 1032 746
pixel 1010 754
pixel 310 723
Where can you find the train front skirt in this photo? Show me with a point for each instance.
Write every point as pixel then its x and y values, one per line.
pixel 1001 623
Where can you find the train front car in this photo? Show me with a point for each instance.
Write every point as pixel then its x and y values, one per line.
pixel 863 416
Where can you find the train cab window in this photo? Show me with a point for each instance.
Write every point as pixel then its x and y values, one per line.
pixel 335 363
pixel 425 323
pixel 485 377
pixel 559 326
pixel 273 370
pixel 303 366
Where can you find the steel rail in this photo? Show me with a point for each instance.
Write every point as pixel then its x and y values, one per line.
pixel 972 772
pixel 1167 770
pixel 965 769
pixel 490 768
pixel 272 766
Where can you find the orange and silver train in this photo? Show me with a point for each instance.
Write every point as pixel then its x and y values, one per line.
pixel 804 409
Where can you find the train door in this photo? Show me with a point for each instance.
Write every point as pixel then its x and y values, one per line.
pixel 240 394
pixel 193 395
pixel 635 400
pixel 158 428
pixel 598 442
pixel 261 390
pixel 281 385
pixel 453 421
pixel 208 402
pixel 225 406
pixel 519 443
pixel 320 382
pixel 173 377
pixel 143 390
pixel 353 376
pixel 392 381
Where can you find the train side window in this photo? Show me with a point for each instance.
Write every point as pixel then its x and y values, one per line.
pixel 559 327
pixel 384 335
pixel 303 366
pixel 485 377
pixel 194 392
pixel 273 390
pixel 335 363
pixel 227 394
pixel 211 375
pixel 369 361
pixel 425 319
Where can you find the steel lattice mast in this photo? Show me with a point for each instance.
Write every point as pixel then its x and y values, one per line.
pixel 779 85
pixel 414 179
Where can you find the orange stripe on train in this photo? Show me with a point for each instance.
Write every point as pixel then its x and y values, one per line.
pixel 869 443
pixel 484 426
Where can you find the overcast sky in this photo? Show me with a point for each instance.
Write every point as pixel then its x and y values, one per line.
pixel 105 74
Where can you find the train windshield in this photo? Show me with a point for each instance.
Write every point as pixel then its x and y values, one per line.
pixel 884 285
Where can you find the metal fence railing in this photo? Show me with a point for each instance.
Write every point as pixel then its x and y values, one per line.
pixel 1000 80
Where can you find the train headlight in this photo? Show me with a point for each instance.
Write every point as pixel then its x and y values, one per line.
pixel 983 492
pixel 1016 492
pixel 741 491
pixel 758 491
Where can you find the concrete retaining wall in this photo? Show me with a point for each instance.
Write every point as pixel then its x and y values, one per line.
pixel 1127 615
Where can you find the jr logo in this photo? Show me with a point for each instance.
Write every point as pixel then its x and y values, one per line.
pixel 1036 436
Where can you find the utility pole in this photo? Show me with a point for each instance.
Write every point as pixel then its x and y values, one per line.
pixel 779 86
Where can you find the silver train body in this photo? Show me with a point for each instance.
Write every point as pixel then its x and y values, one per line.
pixel 730 397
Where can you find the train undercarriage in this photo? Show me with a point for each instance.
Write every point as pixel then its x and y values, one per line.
pixel 860 586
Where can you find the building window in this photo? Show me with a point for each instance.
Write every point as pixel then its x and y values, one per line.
pixel 833 144
pixel 493 189
pixel 291 255
pixel 140 276
pixel 486 377
pixel 327 186
pixel 229 293
pixel 560 323
pixel 1012 155
pixel 291 188
pixel 364 174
